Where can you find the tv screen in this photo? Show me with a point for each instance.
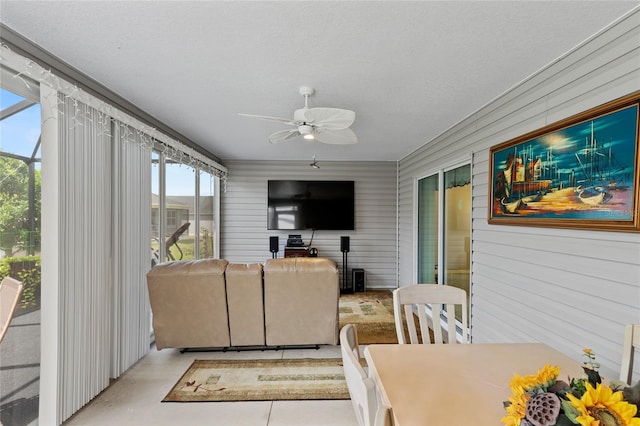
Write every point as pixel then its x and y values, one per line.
pixel 310 204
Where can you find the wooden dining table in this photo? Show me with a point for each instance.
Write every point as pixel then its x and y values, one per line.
pixel 456 384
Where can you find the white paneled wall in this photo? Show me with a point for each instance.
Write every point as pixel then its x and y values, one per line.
pixel 244 234
pixel 571 289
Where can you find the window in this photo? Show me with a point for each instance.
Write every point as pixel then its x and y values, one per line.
pixel 207 218
pixel 189 229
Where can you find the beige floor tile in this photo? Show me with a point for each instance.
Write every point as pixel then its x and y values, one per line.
pixel 313 413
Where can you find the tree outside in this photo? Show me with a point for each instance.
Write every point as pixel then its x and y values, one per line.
pixel 19 215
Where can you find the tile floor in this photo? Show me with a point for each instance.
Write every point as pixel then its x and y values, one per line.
pixel 134 399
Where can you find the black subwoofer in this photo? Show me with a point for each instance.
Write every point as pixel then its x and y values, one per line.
pixel 358 279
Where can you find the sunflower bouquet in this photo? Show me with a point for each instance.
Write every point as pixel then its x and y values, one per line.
pixel 542 400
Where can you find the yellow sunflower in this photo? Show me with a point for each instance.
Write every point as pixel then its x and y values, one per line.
pixel 544 377
pixel 600 406
pixel 548 374
pixel 524 382
pixel 517 407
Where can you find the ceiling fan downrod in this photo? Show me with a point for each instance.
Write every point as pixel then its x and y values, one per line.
pixel 306 91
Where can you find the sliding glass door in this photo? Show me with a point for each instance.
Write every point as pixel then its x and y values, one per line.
pixel 444 228
pixel 457 228
pixel 428 235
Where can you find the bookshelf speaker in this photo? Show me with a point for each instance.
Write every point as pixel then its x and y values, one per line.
pixel 273 244
pixel 344 244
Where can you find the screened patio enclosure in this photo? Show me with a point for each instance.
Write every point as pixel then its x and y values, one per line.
pixel 20 238
pixel 19 174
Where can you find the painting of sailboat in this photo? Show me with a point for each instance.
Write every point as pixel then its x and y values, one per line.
pixel 581 172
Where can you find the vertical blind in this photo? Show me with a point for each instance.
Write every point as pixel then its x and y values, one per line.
pixel 131 246
pixel 104 251
pixel 84 255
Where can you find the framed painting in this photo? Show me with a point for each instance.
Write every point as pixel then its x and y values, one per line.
pixel 581 172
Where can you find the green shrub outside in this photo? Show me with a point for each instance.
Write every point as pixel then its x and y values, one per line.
pixel 27 270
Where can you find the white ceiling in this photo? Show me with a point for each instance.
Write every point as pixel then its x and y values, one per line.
pixel 410 70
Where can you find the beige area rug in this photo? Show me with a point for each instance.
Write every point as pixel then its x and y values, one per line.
pixel 372 314
pixel 261 380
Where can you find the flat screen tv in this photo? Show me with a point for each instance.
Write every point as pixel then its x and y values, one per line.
pixel 310 204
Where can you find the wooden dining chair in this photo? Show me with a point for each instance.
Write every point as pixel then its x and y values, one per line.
pixel 362 389
pixel 10 291
pixel 630 343
pixel 429 299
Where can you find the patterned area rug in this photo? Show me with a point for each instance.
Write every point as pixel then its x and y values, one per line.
pixel 372 313
pixel 261 380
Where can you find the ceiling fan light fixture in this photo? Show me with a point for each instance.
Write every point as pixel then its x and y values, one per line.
pixel 306 131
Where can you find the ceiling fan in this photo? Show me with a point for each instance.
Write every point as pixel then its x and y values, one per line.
pixel 326 125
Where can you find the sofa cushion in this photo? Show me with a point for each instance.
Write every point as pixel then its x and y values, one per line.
pixel 245 301
pixel 301 296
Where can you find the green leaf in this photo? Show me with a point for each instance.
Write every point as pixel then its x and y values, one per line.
pixel 592 376
pixel 570 412
pixel 563 420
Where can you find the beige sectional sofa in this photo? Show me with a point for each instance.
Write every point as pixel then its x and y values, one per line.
pixel 211 303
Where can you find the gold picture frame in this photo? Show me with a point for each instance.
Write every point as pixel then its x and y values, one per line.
pixel 581 172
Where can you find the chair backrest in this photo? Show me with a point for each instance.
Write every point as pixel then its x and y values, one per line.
pixel 349 334
pixel 384 416
pixel 432 296
pixel 631 342
pixel 10 290
pixel 361 387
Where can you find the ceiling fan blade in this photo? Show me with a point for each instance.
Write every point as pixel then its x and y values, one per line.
pixel 336 136
pixel 267 118
pixel 283 135
pixel 330 118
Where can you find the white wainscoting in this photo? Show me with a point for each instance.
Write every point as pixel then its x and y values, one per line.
pixel 570 289
pixel 244 234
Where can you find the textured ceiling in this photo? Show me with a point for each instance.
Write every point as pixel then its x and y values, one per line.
pixel 410 70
